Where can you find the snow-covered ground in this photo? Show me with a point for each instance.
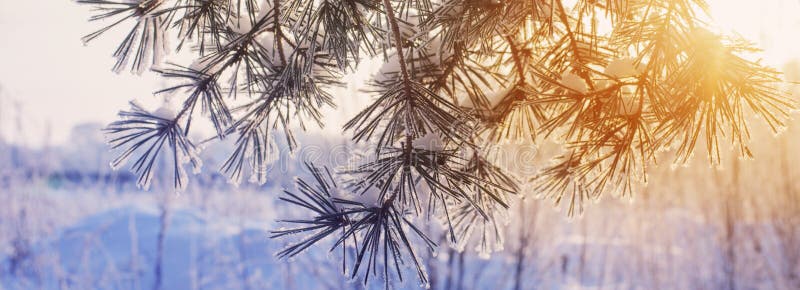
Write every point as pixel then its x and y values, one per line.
pixel 69 222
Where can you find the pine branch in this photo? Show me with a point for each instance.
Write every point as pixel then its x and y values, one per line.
pixel 144 135
pixel 463 75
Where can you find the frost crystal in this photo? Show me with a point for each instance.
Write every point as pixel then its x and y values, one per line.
pixel 435 140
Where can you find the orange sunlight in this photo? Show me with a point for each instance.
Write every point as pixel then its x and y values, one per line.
pixel 772 24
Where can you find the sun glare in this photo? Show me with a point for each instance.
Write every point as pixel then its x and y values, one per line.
pixel 772 24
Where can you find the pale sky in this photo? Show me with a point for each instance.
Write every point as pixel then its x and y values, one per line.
pixel 45 66
pixel 56 80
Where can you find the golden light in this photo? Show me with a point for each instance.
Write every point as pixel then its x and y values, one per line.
pixel 773 25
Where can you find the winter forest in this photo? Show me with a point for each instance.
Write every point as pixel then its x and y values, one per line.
pixel 399 144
